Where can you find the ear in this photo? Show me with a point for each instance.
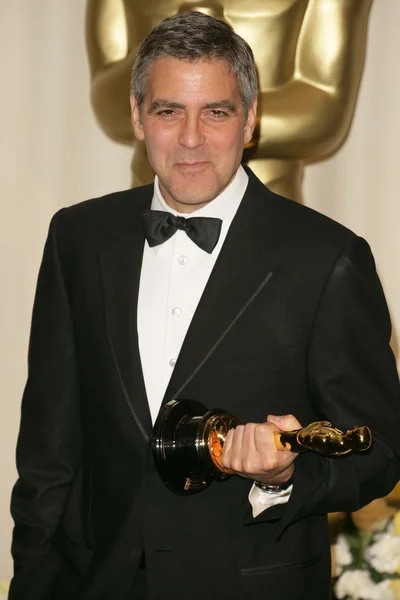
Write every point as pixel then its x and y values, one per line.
pixel 250 122
pixel 135 119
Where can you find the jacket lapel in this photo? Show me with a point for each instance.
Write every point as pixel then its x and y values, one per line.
pixel 240 273
pixel 120 265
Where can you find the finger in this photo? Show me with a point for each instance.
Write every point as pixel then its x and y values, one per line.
pixel 265 446
pixel 273 461
pixel 232 447
pixel 250 461
pixel 237 448
pixel 227 443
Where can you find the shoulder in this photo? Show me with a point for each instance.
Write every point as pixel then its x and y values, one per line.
pixel 104 218
pixel 299 236
pixel 318 239
pixel 304 222
pixel 294 224
pixel 108 208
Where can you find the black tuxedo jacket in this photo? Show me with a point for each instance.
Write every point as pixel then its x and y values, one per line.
pixel 292 320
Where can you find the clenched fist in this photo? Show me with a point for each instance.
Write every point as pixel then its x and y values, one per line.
pixel 250 450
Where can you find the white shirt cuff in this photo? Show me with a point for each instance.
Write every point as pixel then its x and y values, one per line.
pixel 260 500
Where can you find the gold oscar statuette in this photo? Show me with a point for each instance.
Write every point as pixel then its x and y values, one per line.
pixel 188 440
pixel 309 56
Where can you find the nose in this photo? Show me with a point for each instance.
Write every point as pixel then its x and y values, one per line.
pixel 191 134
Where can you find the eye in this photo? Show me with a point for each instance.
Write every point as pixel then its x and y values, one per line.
pixel 166 112
pixel 217 113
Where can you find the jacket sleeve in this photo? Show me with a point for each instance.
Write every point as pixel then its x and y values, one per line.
pixel 49 442
pixel 353 381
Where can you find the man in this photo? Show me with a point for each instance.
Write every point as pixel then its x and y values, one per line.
pixel 276 310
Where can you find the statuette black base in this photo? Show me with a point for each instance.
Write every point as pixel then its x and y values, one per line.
pixel 187 443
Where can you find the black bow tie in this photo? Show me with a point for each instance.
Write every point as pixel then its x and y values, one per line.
pixel 160 225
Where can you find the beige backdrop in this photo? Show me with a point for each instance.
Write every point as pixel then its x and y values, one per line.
pixel 52 154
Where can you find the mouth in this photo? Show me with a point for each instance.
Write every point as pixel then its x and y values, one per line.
pixel 191 166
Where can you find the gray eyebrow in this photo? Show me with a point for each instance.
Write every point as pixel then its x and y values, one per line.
pixel 163 103
pixel 170 104
pixel 226 104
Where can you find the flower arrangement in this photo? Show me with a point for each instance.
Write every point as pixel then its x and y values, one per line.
pixel 366 554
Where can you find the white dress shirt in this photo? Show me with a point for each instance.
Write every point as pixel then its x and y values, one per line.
pixel 173 277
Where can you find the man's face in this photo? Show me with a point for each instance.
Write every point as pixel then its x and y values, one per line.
pixel 194 126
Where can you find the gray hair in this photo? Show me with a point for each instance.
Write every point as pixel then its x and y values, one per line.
pixel 194 36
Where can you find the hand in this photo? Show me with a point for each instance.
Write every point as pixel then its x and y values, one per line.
pixel 250 450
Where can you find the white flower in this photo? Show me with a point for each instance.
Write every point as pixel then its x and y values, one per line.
pixel 358 585
pixel 342 554
pixel 384 554
pixel 355 584
pixel 383 591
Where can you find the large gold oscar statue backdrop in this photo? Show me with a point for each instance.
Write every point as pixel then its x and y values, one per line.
pixel 309 54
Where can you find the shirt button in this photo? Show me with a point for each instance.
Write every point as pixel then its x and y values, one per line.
pixel 182 260
pixel 176 311
pixel 172 362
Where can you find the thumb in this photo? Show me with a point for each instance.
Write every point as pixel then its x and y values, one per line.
pixel 284 422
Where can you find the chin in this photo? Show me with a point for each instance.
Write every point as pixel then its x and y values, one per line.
pixel 191 198
pixel 194 192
